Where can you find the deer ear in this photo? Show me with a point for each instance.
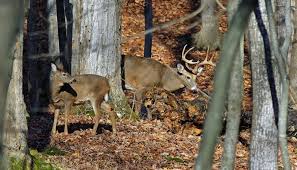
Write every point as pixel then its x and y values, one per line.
pixel 54 67
pixel 180 67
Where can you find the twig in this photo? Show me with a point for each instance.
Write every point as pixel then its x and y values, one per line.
pixel 166 24
pixel 221 5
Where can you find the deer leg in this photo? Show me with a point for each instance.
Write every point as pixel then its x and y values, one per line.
pixel 96 104
pixel 67 111
pixel 56 115
pixel 112 115
pixel 138 101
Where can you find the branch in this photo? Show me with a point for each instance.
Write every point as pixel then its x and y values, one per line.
pixel 167 24
pixel 222 79
pixel 221 5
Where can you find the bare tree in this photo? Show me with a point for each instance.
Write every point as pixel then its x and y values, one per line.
pixel 222 79
pixel 235 95
pixel 281 52
pixel 13 122
pixel 96 45
pixel 263 150
pixel 209 35
pixel 293 62
pixel 148 17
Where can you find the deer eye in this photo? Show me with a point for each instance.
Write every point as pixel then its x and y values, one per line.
pixel 64 74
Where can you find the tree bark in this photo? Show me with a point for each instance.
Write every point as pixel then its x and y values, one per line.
pixel 11 13
pixel 263 149
pixel 235 95
pixel 53 37
pixel 36 58
pixel 97 38
pixel 293 62
pixel 209 35
pixel 15 122
pixel 222 79
pixel 14 132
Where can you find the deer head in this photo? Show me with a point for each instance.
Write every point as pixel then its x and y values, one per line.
pixel 189 78
pixel 59 77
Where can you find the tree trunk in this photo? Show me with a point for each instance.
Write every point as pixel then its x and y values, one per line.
pixel 293 62
pixel 37 67
pixel 53 38
pixel 222 80
pixel 235 95
pixel 263 149
pixel 96 45
pixel 11 13
pixel 148 17
pixel 15 122
pixel 209 35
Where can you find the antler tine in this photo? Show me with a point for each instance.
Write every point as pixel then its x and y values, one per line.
pixel 204 62
pixel 184 56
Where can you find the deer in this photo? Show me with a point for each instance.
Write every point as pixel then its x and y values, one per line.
pixel 141 74
pixel 67 91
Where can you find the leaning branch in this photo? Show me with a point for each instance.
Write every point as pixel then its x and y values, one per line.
pixel 222 79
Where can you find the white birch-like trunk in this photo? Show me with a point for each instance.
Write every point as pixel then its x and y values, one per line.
pixel 96 44
pixel 263 149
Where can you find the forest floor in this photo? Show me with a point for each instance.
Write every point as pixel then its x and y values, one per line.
pixel 170 141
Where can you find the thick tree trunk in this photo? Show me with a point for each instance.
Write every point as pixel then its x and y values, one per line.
pixel 235 95
pixel 209 35
pixel 293 62
pixel 11 13
pixel 37 67
pixel 96 45
pixel 15 122
pixel 263 150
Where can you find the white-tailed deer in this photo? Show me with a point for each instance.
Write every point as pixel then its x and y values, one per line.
pixel 67 90
pixel 142 73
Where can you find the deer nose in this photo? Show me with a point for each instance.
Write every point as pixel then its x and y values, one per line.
pixel 194 89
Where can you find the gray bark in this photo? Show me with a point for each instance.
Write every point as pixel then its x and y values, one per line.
pixel 222 79
pixel 263 149
pixel 293 62
pixel 96 45
pixel 281 53
pixel 209 35
pixel 11 13
pixel 53 38
pixel 235 94
pixel 15 122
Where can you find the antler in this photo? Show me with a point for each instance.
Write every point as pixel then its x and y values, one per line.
pixel 198 64
pixel 187 61
pixel 184 56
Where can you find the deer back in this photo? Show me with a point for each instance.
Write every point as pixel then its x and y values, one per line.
pixel 145 73
pixel 77 88
pixel 90 87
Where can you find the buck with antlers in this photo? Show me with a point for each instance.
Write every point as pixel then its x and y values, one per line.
pixel 141 74
pixel 67 90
